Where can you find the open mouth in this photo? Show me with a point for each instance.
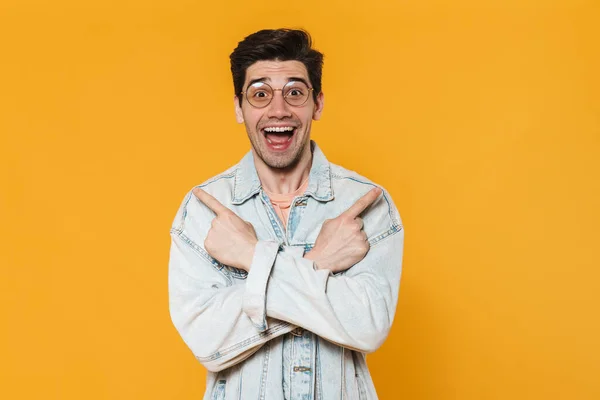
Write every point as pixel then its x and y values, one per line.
pixel 279 137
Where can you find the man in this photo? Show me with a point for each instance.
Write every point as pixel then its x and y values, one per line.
pixel 285 268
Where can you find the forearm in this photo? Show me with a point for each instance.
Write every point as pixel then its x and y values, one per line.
pixel 354 309
pixel 207 311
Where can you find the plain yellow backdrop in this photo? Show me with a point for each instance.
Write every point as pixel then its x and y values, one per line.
pixel 482 118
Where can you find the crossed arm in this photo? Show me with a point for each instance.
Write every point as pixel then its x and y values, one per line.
pixel 224 324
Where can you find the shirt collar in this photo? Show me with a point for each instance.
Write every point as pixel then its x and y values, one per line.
pixel 247 183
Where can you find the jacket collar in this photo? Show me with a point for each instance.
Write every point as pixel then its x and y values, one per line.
pixel 247 183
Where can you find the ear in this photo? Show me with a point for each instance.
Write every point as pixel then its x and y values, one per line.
pixel 319 104
pixel 239 116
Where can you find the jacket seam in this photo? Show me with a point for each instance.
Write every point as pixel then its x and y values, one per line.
pixel 393 220
pixel 190 194
pixel 230 271
pixel 265 370
pixel 244 343
pixel 378 238
pixel 202 253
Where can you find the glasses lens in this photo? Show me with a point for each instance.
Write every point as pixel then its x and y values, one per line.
pixel 295 93
pixel 259 94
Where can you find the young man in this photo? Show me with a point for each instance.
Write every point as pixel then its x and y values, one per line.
pixel 284 269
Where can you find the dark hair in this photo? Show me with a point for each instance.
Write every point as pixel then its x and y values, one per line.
pixel 279 45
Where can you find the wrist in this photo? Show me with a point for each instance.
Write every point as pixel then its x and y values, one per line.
pixel 249 256
pixel 313 256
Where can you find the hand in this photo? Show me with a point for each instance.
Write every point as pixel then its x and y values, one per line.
pixel 230 240
pixel 342 242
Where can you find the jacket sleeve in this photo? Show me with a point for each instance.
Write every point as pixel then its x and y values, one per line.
pixel 354 309
pixel 205 303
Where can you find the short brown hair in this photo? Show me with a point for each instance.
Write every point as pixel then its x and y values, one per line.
pixel 277 45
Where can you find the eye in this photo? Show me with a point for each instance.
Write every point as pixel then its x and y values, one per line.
pixel 295 92
pixel 261 94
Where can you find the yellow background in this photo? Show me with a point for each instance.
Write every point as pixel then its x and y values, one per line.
pixel 482 118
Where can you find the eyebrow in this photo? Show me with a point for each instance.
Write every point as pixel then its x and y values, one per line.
pixel 267 79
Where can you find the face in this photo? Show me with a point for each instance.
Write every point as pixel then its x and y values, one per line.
pixel 279 133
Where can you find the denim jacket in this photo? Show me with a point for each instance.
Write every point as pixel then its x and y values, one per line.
pixel 237 323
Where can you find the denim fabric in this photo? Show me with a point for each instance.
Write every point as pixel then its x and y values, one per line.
pixel 285 330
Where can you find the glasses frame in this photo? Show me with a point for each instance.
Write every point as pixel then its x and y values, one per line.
pixel 245 94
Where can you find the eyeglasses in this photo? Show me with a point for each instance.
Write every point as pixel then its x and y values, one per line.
pixel 260 94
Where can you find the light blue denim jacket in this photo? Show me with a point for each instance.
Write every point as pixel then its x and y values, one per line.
pixel 243 327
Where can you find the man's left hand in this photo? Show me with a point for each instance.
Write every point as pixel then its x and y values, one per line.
pixel 230 240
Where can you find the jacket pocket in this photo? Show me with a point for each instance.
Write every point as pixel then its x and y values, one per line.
pixel 219 390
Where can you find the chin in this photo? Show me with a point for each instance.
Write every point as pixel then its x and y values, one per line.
pixel 280 163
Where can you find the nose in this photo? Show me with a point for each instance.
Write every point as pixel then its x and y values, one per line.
pixel 278 108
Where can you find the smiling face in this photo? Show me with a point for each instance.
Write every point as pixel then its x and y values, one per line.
pixel 279 133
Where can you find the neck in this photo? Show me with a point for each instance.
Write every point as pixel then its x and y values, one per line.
pixel 284 180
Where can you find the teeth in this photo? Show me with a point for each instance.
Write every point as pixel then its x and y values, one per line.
pixel 279 129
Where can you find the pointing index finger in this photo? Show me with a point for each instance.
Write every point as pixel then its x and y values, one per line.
pixel 362 203
pixel 210 202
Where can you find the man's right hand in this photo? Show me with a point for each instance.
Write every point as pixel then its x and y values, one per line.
pixel 342 242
